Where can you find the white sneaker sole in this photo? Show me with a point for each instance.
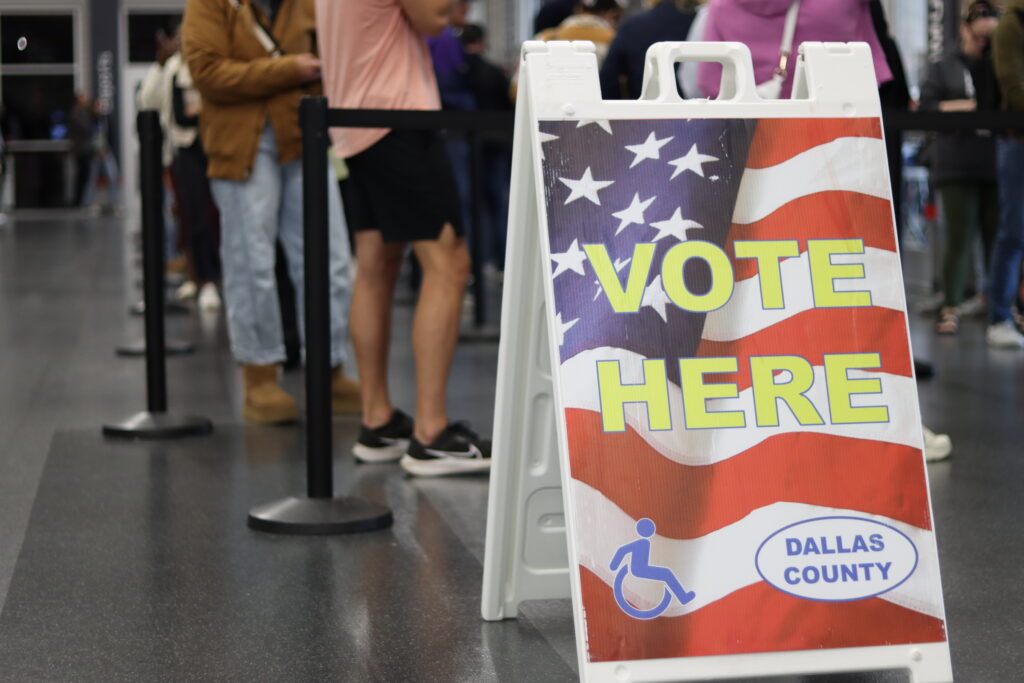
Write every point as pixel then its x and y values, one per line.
pixel 383 454
pixel 937 447
pixel 439 467
pixel 1005 343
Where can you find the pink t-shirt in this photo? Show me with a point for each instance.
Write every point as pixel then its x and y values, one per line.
pixel 372 59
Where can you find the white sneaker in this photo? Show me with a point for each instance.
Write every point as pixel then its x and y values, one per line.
pixel 936 446
pixel 186 291
pixel 976 305
pixel 1004 335
pixel 209 299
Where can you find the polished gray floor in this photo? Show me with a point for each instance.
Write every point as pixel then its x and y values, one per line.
pixel 131 561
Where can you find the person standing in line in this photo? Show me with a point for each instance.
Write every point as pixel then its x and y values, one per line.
pixel 622 73
pixel 1008 249
pixel 964 165
pixel 103 161
pixel 490 84
pixel 154 93
pixel 759 24
pixel 195 203
pixel 402 193
pixel 593 20
pixel 252 62
pixel 80 123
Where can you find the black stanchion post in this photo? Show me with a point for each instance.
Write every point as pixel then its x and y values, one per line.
pixel 320 475
pixel 320 512
pixel 155 422
pixel 152 270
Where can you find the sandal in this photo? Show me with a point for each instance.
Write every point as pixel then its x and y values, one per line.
pixel 949 321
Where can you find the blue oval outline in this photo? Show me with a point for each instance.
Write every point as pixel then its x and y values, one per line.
pixel 757 555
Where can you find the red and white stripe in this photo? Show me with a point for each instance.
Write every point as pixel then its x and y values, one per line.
pixel 695 559
pixel 713 491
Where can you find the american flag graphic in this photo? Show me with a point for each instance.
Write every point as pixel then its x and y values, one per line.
pixel 715 494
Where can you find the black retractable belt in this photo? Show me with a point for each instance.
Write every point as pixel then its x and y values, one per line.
pixel 154 422
pixel 951 121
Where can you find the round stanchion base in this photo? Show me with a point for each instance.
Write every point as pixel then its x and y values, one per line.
pixel 170 282
pixel 319 516
pixel 146 425
pixel 171 348
pixel 170 308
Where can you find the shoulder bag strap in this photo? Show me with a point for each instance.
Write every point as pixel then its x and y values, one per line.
pixel 788 31
pixel 261 32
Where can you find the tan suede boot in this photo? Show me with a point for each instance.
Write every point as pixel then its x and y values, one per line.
pixel 265 400
pixel 345 398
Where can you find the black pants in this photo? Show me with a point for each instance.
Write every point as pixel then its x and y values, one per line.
pixel 83 164
pixel 198 212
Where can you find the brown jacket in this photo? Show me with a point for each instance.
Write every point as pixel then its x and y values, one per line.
pixel 242 85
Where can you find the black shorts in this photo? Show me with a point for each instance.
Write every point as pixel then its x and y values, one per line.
pixel 403 186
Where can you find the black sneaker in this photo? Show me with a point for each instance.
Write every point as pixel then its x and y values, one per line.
pixel 456 450
pixel 386 443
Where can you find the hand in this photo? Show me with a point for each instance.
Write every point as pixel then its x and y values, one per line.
pixel 308 67
pixel 958 105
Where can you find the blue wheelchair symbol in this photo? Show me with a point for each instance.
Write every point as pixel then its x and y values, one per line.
pixel 639 565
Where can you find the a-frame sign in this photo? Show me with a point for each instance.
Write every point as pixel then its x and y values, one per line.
pixel 707 429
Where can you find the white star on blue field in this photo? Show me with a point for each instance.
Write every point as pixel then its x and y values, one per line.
pixel 660 181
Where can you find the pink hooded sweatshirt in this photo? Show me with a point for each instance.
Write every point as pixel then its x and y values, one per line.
pixel 759 24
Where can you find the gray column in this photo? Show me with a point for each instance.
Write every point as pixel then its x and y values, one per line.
pixel 103 24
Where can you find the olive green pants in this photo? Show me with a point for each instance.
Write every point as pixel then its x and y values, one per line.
pixel 969 209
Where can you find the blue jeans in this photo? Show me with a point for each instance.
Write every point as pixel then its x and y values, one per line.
pixel 253 214
pixel 106 164
pixel 1008 248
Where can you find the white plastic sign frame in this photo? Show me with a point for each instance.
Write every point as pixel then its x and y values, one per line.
pixel 530 544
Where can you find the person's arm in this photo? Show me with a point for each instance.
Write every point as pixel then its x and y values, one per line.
pixel 428 17
pixel 219 77
pixel 1008 58
pixel 181 117
pixel 936 97
pixel 932 91
pixel 150 95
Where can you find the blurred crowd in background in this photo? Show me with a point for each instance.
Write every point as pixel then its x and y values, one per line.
pixel 973 176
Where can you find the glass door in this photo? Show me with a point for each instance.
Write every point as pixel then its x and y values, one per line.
pixel 40 70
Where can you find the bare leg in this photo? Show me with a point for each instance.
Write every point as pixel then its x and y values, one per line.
pixel 377 269
pixel 435 328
